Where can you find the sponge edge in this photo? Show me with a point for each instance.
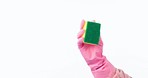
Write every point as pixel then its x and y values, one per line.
pixel 92 32
pixel 84 28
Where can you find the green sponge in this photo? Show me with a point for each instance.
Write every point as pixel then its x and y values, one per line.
pixel 92 32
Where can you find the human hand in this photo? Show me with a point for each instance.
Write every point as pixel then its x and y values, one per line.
pixel 88 51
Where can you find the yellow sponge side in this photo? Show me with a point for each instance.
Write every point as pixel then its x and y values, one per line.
pixel 84 28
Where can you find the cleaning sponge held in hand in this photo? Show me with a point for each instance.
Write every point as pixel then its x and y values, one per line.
pixel 92 32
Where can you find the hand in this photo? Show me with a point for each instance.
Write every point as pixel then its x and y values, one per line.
pixel 88 51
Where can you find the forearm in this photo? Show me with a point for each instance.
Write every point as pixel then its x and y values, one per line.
pixel 101 67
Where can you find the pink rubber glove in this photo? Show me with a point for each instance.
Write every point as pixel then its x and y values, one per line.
pixel 100 66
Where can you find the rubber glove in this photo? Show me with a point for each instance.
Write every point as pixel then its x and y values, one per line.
pixel 99 65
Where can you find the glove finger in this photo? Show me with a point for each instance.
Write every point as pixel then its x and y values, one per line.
pixel 79 35
pixel 82 24
pixel 80 42
pixel 93 20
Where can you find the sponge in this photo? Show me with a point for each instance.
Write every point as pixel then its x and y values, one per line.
pixel 92 32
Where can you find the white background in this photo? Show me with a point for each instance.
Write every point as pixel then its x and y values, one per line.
pixel 38 37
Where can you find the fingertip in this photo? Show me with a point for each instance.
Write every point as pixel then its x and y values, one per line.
pixel 94 20
pixel 82 24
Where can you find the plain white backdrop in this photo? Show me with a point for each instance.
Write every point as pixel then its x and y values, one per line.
pixel 38 38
